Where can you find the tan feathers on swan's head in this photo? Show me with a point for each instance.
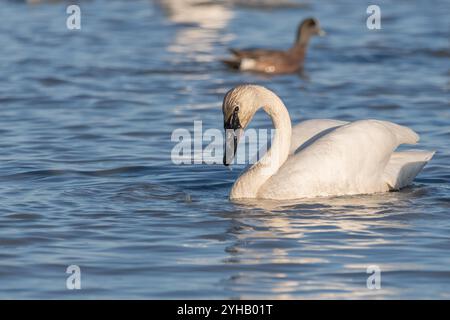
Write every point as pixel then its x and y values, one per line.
pixel 244 99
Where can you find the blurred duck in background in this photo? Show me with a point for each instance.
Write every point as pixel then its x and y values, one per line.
pixel 277 61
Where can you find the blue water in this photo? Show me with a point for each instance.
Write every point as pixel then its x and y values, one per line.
pixel 86 178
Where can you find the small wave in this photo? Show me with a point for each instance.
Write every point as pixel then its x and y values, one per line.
pixel 23 216
pixel 41 174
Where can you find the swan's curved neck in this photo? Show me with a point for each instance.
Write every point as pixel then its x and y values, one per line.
pixel 248 184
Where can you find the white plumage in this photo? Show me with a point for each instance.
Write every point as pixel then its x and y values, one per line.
pixel 323 157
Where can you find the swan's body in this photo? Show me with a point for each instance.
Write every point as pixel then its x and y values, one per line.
pixel 323 157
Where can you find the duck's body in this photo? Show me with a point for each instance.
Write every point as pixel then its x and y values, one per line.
pixel 267 61
pixel 276 61
pixel 328 157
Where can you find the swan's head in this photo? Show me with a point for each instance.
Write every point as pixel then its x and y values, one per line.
pixel 307 28
pixel 239 106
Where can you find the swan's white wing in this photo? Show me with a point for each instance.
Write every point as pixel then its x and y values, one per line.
pixel 348 160
pixel 306 130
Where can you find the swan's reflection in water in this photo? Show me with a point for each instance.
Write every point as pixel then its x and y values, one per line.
pixel 298 241
pixel 202 22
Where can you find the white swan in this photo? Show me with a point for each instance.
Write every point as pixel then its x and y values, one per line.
pixel 318 157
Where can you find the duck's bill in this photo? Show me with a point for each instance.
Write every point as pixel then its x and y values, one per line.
pixel 322 33
pixel 232 138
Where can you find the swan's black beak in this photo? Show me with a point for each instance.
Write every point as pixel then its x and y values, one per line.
pixel 233 130
pixel 231 142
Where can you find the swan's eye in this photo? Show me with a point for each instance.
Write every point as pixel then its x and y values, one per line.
pixel 236 108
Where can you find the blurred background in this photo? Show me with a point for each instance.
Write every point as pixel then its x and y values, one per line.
pixel 86 178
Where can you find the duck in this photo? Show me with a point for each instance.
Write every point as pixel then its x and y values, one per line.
pixel 277 61
pixel 319 157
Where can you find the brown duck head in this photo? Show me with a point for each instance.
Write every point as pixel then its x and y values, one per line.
pixel 308 28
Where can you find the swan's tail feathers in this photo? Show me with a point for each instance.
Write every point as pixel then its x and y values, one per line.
pixel 404 134
pixel 404 166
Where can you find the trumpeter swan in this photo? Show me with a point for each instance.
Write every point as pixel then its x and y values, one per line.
pixel 318 157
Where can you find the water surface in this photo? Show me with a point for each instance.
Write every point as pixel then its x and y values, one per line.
pixel 86 177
